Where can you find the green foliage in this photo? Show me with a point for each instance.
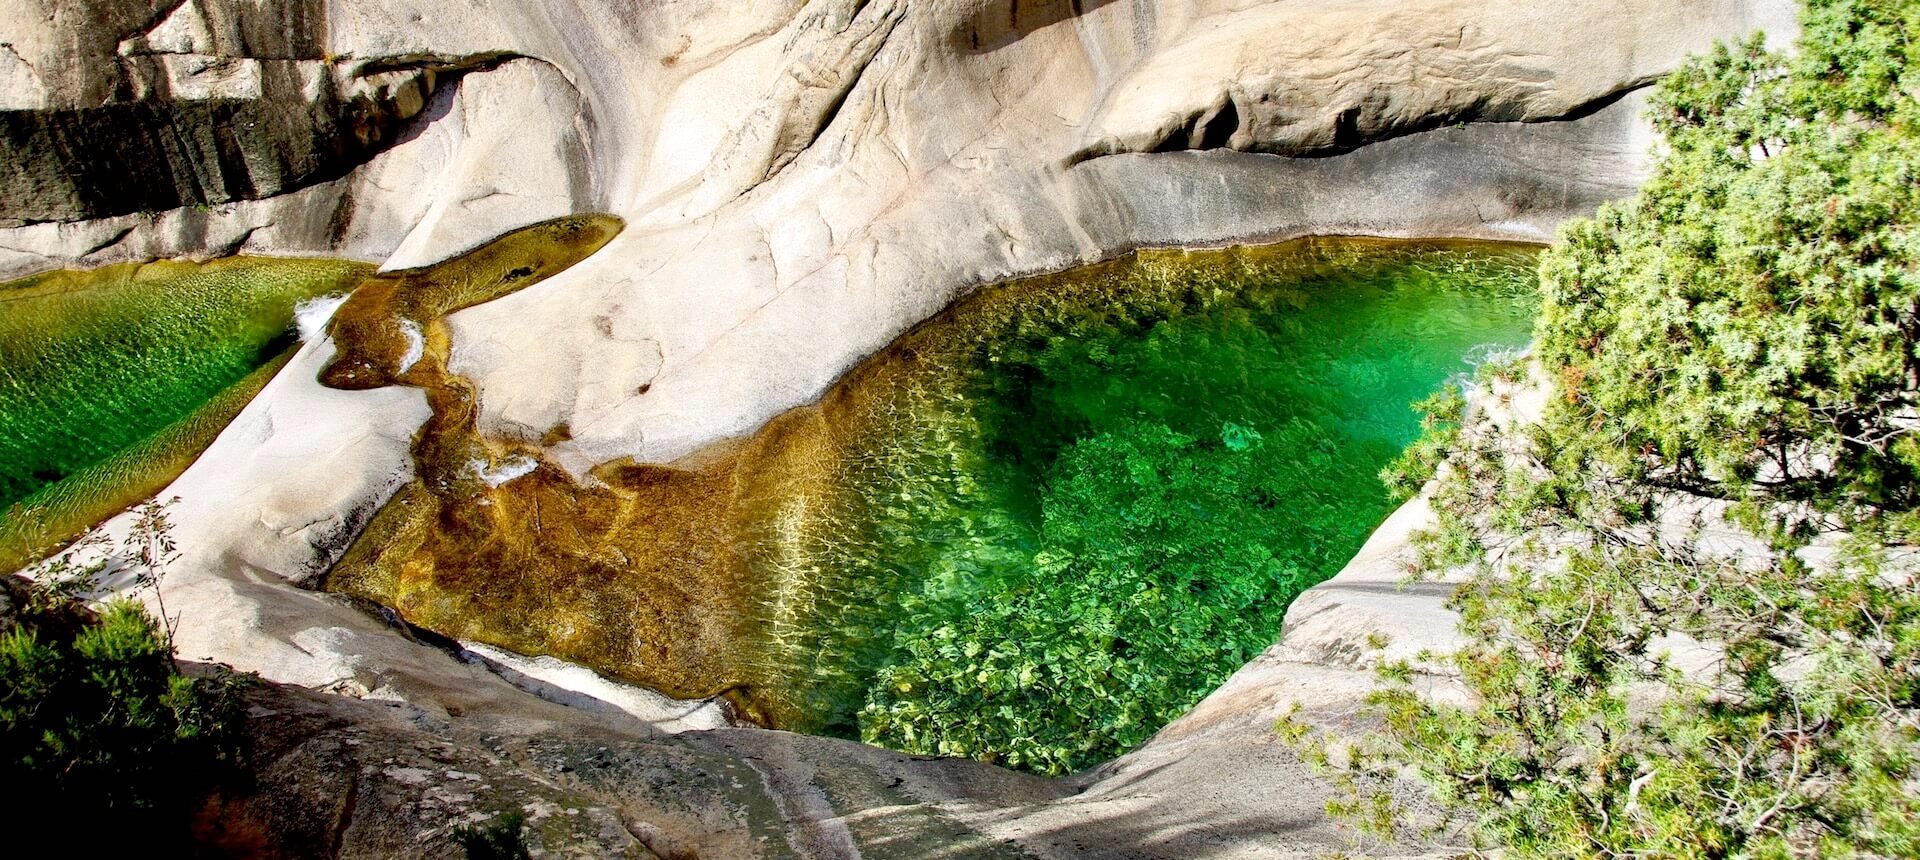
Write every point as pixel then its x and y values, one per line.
pixel 1733 347
pixel 1746 324
pixel 503 838
pixel 95 720
pixel 1440 415
pixel 96 723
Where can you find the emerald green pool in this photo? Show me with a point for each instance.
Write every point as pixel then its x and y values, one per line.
pixel 1089 498
pixel 127 358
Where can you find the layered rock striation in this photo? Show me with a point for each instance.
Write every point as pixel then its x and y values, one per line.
pixel 117 108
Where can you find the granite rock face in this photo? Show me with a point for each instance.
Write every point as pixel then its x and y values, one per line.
pixel 125 106
pixel 802 180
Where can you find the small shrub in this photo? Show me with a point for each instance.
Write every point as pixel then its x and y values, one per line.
pixel 1738 337
pixel 503 838
pixel 1440 415
pixel 95 721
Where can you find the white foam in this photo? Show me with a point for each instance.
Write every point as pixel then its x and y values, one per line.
pixel 311 316
pixel 512 468
pixel 1494 353
pixel 416 345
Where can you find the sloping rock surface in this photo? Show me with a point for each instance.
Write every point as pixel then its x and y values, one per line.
pixel 802 181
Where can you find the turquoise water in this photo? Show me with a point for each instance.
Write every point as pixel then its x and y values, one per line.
pixel 1084 500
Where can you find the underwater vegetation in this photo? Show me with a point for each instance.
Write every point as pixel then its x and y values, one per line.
pixel 113 379
pixel 1032 530
pixel 1137 475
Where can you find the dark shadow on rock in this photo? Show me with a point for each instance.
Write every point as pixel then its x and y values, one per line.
pixel 439 105
pixel 999 23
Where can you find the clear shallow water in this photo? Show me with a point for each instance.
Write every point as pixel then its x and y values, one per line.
pixel 1032 530
pixel 112 379
pixel 1098 493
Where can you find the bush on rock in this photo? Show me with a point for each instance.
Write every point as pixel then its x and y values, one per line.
pixel 1734 347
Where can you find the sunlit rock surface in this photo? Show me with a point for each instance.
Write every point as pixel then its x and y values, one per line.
pixel 801 182
pixel 1204 427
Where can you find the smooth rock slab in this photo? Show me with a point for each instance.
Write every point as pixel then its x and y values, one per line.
pixel 960 155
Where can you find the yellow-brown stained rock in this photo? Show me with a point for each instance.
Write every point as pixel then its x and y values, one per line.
pixel 632 572
pixel 719 575
pixel 385 328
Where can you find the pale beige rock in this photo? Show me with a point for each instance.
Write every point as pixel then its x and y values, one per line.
pixel 802 182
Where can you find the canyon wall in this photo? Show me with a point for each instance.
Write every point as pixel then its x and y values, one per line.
pixel 801 181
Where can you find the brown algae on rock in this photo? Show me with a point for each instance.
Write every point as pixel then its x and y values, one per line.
pixel 492 543
pixel 778 571
pixel 383 329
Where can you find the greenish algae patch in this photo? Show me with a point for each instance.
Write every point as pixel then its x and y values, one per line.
pixel 113 379
pixel 61 512
pixel 1032 530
